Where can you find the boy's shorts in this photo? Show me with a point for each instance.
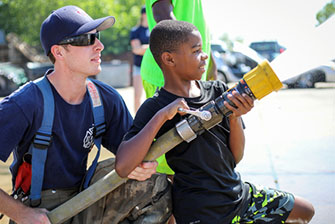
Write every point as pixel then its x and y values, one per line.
pixel 267 205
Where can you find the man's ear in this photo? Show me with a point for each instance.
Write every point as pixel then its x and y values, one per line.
pixel 167 59
pixel 57 51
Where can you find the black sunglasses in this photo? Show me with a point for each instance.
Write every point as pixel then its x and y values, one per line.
pixel 81 40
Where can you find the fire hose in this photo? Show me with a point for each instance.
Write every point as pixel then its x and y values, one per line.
pixel 257 83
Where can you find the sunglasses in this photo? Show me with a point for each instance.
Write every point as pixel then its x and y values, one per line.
pixel 81 40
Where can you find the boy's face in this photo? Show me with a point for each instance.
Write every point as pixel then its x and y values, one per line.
pixel 190 60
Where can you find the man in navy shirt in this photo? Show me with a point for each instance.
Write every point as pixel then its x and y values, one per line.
pixel 70 38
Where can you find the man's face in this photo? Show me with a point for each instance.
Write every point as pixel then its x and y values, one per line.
pixel 190 59
pixel 84 59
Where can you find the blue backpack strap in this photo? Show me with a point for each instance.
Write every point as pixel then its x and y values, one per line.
pixel 41 141
pixel 99 126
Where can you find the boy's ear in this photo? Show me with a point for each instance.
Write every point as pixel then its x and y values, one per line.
pixel 167 59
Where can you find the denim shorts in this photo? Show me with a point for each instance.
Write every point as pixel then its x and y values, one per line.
pixel 267 205
pixel 136 70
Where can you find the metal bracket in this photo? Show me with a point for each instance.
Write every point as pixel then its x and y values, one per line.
pixel 185 131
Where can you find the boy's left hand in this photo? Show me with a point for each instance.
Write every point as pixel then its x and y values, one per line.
pixel 143 171
pixel 244 103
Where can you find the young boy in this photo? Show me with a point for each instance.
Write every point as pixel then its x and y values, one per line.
pixel 206 187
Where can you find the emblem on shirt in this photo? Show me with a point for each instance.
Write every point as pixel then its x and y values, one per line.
pixel 89 139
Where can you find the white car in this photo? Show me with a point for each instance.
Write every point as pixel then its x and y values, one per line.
pixel 225 73
pixel 233 64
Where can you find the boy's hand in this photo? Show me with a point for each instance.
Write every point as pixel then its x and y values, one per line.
pixel 244 103
pixel 143 171
pixel 172 109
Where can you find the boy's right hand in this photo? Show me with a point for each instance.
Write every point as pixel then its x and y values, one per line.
pixel 172 109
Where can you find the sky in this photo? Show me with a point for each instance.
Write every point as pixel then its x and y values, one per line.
pixel 257 20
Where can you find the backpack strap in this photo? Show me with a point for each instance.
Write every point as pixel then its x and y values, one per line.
pixel 41 141
pixel 99 126
pixel 43 136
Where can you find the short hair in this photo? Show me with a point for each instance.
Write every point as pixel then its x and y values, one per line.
pixel 168 35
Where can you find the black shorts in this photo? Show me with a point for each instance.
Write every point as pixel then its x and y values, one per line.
pixel 267 205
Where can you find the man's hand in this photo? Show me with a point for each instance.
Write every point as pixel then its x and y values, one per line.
pixel 39 216
pixel 32 216
pixel 21 213
pixel 212 73
pixel 143 171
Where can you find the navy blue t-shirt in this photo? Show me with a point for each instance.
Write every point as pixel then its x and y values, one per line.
pixel 72 134
pixel 142 33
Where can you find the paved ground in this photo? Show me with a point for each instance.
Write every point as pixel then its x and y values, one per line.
pixel 290 145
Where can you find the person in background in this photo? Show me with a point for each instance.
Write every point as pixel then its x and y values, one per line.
pixel 70 37
pixel 139 41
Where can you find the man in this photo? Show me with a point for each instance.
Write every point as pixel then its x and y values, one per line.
pixel 70 38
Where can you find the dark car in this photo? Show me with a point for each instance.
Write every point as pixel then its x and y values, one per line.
pixel 11 78
pixel 322 73
pixel 268 49
pixel 36 70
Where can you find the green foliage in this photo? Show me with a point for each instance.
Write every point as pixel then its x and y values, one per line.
pixel 327 11
pixel 24 17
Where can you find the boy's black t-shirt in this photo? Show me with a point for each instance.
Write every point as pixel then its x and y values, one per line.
pixel 206 187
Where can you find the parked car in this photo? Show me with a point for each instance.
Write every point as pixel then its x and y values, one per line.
pixel 36 70
pixel 225 73
pixel 323 73
pixel 233 64
pixel 11 78
pixel 268 49
pixel 247 55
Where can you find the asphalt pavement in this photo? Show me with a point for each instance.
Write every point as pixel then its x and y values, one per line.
pixel 290 145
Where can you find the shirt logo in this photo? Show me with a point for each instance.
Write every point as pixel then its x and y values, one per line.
pixel 88 141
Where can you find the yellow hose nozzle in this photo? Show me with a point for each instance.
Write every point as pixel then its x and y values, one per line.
pixel 262 80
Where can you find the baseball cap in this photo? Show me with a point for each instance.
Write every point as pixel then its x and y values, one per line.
pixel 69 21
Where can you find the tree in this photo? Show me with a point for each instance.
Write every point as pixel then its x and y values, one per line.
pixel 327 11
pixel 25 17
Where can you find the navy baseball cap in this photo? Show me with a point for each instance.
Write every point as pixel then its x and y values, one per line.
pixel 69 21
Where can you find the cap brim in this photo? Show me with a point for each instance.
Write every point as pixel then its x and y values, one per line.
pixel 98 24
pixel 107 22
